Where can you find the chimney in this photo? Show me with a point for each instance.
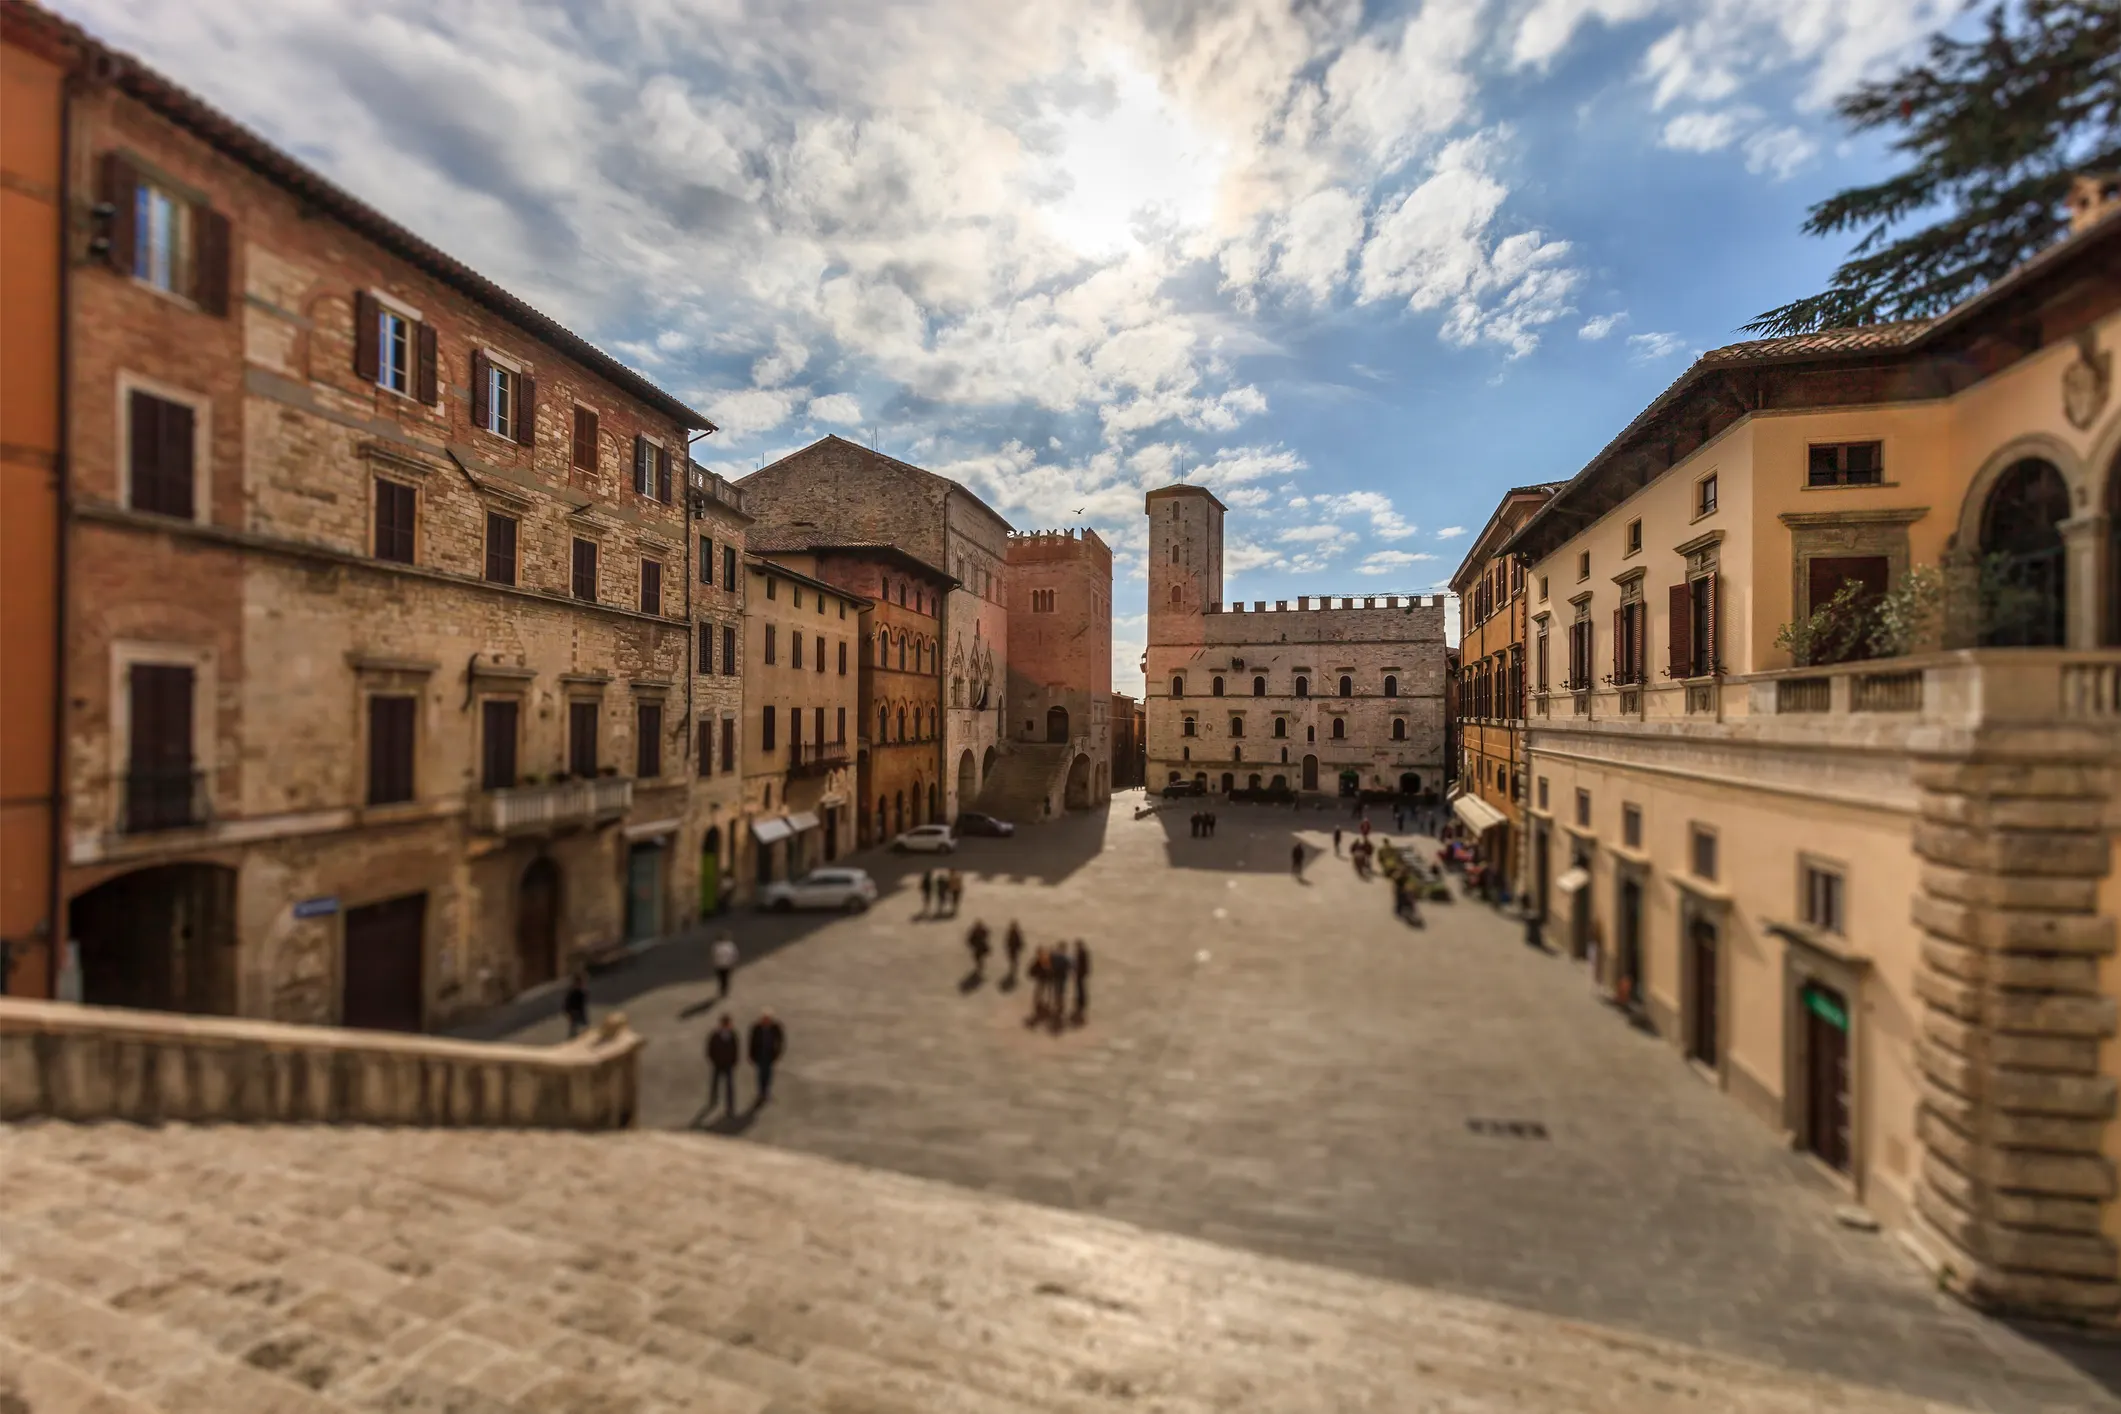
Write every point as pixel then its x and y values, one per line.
pixel 2093 196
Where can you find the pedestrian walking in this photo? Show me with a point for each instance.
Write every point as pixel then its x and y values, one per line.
pixel 1082 980
pixel 1366 829
pixel 1062 965
pixel 1399 820
pixel 1336 841
pixel 721 1061
pixel 576 1006
pixel 1040 973
pixel 976 941
pixel 1193 824
pixel 768 1041
pixel 724 957
pixel 927 891
pixel 1211 824
pixel 1532 939
pixel 1013 944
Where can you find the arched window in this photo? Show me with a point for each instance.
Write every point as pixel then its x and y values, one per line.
pixel 901 724
pixel 883 649
pixel 2024 595
pixel 1259 687
pixel 1281 726
pixel 1174 596
pixel 931 724
pixel 1399 729
pixel 1237 726
pixel 1347 686
pixel 1178 686
pixel 902 652
pixel 1340 729
pixel 1216 687
pixel 1191 728
pixel 1237 753
pixel 1303 687
pixel 882 717
pixel 1174 552
pixel 1391 686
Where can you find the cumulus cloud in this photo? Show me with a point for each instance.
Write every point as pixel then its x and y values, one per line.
pixel 1655 345
pixel 1598 326
pixel 1450 532
pixel 840 408
pixel 1703 132
pixel 1779 152
pixel 1391 561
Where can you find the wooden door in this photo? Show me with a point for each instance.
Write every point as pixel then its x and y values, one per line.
pixel 1702 1040
pixel 1826 1063
pixel 385 972
pixel 538 925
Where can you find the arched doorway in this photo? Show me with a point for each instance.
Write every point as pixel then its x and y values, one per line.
pixel 1310 773
pixel 538 924
pixel 966 786
pixel 163 939
pixel 1252 781
pixel 711 871
pixel 1078 792
pixel 1409 783
pixel 1056 724
pixel 1228 782
pixel 986 765
pixel 2024 579
pixel 1200 779
pixel 934 812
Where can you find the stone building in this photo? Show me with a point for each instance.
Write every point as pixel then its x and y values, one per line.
pixel 720 527
pixel 379 700
pixel 1826 757
pixel 835 492
pixel 899 743
pixel 1488 703
pixel 1319 696
pixel 1127 741
pixel 1060 676
pixel 802 638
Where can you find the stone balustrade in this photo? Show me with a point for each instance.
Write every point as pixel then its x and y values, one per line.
pixel 64 1061
pixel 538 809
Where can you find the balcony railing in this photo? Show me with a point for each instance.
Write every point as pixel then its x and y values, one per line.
pixel 547 809
pixel 1964 687
pixel 814 758
pixel 1886 692
pixel 167 799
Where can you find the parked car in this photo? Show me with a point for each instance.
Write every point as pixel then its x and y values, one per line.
pixel 971 822
pixel 1182 788
pixel 851 890
pixel 926 839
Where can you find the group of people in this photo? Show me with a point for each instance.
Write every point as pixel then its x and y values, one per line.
pixel 1050 972
pixel 1362 853
pixel 1203 823
pixel 942 890
pixel 765 1045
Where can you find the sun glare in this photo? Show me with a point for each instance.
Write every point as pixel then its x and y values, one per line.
pixel 1138 161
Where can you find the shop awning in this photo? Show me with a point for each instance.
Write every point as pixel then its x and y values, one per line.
pixel 767 831
pixel 1573 880
pixel 1480 817
pixel 800 821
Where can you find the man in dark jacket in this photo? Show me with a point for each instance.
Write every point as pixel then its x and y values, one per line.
pixel 768 1040
pixel 721 1060
pixel 577 1004
pixel 1082 980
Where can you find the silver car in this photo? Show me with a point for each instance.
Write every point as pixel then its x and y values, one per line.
pixel 850 890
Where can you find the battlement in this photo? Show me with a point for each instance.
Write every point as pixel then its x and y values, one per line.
pixel 1314 603
pixel 1046 546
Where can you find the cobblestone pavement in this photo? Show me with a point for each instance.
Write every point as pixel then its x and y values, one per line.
pixel 326 1271
pixel 1283 1067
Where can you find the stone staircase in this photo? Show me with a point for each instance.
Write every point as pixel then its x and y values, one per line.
pixel 1026 776
pixel 303 1270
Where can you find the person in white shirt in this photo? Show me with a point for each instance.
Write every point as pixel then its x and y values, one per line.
pixel 724 956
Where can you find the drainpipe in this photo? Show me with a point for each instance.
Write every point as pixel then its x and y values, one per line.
pixel 55 929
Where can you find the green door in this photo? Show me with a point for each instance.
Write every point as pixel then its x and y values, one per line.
pixel 710 880
pixel 644 892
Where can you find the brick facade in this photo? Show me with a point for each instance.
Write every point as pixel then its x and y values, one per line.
pixel 1060 663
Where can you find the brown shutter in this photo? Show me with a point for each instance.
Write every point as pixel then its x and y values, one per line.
pixel 1682 631
pixel 1641 664
pixel 1620 638
pixel 121 185
pixel 526 410
pixel 585 439
pixel 367 336
pixel 144 452
pixel 429 387
pixel 640 445
pixel 481 414
pixel 210 257
pixel 175 463
pixel 662 475
pixel 1715 649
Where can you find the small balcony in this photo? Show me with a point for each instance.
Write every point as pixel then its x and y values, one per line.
pixel 552 809
pixel 815 758
pixel 162 799
pixel 1965 688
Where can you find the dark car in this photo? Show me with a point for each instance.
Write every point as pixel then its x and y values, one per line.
pixel 1178 788
pixel 971 822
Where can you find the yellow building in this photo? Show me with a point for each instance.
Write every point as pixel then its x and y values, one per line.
pixel 1870 897
pixel 802 700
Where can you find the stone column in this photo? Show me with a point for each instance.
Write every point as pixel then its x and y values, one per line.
pixel 2084 540
pixel 2014 843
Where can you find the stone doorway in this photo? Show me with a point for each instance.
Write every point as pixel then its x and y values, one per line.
pixel 644 891
pixel 538 925
pixel 1702 1035
pixel 1056 724
pixel 1077 796
pixel 1310 773
pixel 163 939
pixel 384 985
pixel 966 786
pixel 1826 1074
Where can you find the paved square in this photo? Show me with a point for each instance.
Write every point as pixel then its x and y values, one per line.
pixel 1286 1068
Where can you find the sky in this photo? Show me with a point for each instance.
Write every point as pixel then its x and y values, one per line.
pixel 1356 267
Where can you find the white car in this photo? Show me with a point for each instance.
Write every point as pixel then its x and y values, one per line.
pixel 849 889
pixel 926 839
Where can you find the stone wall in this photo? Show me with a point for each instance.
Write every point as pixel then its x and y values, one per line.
pixel 100 1063
pixel 1060 640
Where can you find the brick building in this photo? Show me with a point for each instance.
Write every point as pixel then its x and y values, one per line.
pixel 718 581
pixel 1060 672
pixel 1319 697
pixel 899 751
pixel 379 672
pixel 834 492
pixel 801 691
pixel 1127 741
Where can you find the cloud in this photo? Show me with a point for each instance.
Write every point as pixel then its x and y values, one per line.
pixel 1655 345
pixel 1703 132
pixel 841 408
pixel 1385 522
pixel 1391 561
pixel 1450 532
pixel 1779 152
pixel 1598 326
pixel 745 412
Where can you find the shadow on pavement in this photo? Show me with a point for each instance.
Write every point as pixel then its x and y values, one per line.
pixel 2094 1354
pixel 1246 842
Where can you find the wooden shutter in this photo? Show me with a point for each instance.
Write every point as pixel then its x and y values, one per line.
pixel 121 187
pixel 582 738
pixel 526 410
pixel 395 510
pixel 1641 642
pixel 499 745
pixel 390 749
pixel 1620 638
pixel 662 475
pixel 160 699
pixel 481 412
pixel 1713 651
pixel 729 663
pixel 585 439
pixel 159 456
pixel 367 336
pixel 640 464
pixel 706 746
pixel 210 257
pixel 1681 627
pixel 429 386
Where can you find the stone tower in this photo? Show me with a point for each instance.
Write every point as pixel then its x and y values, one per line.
pixel 1185 552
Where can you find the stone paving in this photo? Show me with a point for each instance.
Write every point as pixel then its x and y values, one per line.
pixel 1283 1067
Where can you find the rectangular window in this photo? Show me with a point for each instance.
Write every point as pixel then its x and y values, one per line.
pixel 1845 464
pixel 1702 852
pixel 728 743
pixel 162 239
pixel 648 740
pixel 773 587
pixel 390 749
pixel 729 662
pixel 651 587
pixel 1583 564
pixel 1631 826
pixel 499 719
pixel 500 401
pixel 1823 898
pixel 644 466
pixel 729 568
pixel 160 782
pixel 772 644
pixel 1542 589
pixel 707 562
pixel 795 644
pixel 795 733
pixel 840 725
pixel 1634 536
pixel 1583 808
pixel 1542 792
pixel 817 723
pixel 396 506
pixel 1705 495
pixel 500 548
pixel 821 653
pixel 393 351
pixel 582 738
pixel 585 570
pixel 843 659
pixel 705 665
pixel 706 747
pixel 584 456
pixel 159 449
pixel 766 729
